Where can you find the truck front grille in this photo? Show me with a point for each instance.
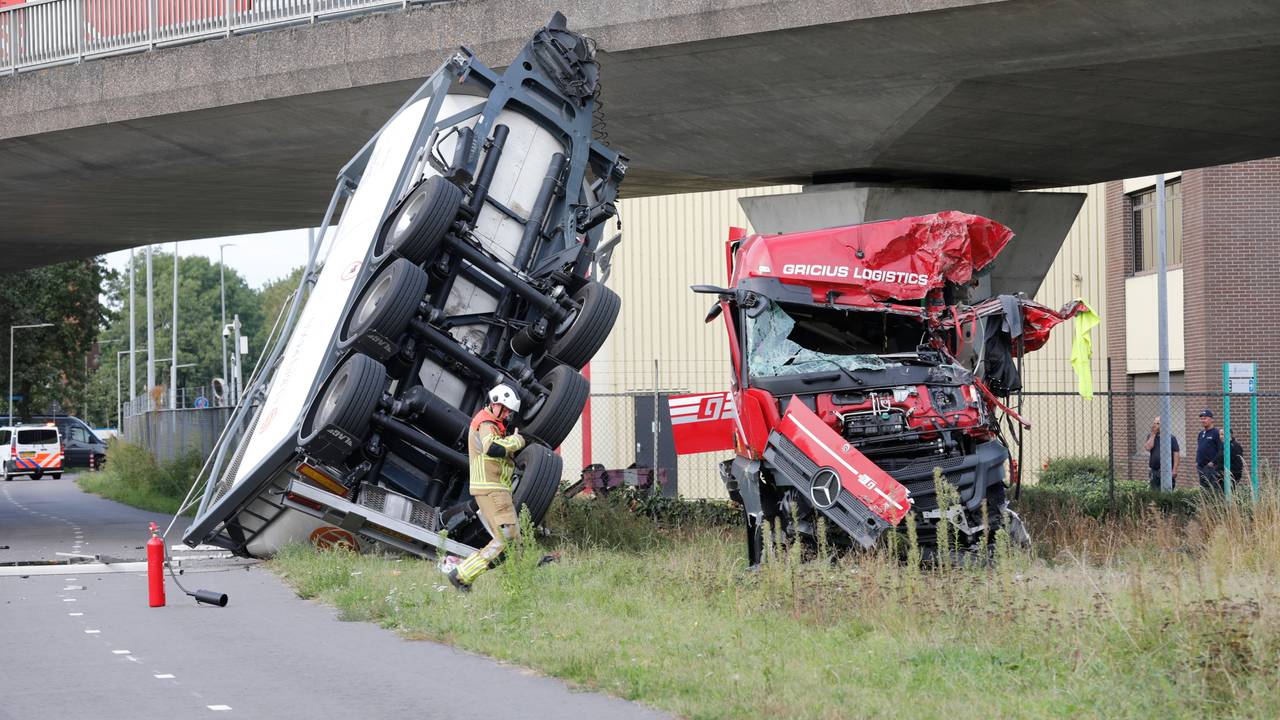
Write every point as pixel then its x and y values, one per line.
pixel 848 513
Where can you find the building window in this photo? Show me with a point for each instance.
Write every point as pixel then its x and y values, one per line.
pixel 1144 227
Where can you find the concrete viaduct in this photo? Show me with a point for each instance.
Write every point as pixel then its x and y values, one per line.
pixel 245 133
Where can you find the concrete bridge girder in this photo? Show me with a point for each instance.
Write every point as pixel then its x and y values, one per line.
pixel 245 134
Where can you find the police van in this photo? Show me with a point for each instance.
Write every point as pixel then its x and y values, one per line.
pixel 30 450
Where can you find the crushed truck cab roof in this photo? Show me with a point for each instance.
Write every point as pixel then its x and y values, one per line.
pixel 867 264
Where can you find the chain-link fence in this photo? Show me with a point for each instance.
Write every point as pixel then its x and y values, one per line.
pixel 618 430
pixel 1117 422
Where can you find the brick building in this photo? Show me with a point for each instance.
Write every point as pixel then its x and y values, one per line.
pixel 1224 272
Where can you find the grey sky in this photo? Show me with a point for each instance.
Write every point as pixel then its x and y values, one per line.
pixel 259 258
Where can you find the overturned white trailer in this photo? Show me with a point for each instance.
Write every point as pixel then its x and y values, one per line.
pixel 470 225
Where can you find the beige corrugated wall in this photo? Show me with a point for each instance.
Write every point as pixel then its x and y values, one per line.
pixel 669 243
pixel 1068 424
pixel 674 241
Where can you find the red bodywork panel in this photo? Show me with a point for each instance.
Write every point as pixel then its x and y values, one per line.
pixel 864 265
pixel 872 486
pixel 702 422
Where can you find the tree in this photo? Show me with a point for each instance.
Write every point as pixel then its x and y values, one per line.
pixel 51 365
pixel 199 322
pixel 273 297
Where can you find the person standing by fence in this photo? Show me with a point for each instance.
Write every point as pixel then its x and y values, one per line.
pixel 1237 461
pixel 1209 453
pixel 1153 447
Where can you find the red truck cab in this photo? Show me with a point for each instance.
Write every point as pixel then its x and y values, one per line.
pixel 860 367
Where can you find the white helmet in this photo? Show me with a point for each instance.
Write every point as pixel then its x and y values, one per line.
pixel 506 396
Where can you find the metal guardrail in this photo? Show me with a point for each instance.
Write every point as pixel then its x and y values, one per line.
pixel 187 398
pixel 43 33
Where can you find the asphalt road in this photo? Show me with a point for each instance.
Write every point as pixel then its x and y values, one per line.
pixel 85 644
pixel 40 518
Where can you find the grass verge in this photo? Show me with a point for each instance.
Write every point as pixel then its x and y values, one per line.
pixel 1165 616
pixel 133 477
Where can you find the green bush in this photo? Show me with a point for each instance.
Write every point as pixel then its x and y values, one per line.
pixel 1095 500
pixel 1082 470
pixel 629 519
pixel 132 476
pixel 1079 487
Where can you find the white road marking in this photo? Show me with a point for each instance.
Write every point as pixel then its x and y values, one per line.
pixel 73 587
pixel 104 568
pixel 119 652
pixel 131 658
pixel 219 708
pixel 75 614
pixel 163 676
pixel 68 599
pixel 92 632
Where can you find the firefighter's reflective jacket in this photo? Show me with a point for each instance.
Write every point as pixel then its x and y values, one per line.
pixel 491 454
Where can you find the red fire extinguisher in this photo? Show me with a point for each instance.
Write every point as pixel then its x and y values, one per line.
pixel 155 567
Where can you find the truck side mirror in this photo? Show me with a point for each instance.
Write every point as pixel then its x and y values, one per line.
pixel 712 290
pixel 713 313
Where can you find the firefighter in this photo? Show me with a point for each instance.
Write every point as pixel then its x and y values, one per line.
pixel 492 454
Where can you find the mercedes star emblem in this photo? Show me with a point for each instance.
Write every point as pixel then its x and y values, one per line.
pixel 826 488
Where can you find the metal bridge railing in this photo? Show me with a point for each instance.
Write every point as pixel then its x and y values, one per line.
pixel 42 33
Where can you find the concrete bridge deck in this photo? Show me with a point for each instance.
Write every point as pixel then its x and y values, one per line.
pixel 245 134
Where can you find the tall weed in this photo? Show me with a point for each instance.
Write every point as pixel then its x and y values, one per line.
pixel 132 476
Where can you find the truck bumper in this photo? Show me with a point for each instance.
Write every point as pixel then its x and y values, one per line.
pixel 791 467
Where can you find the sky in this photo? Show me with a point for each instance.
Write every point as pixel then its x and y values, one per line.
pixel 259 258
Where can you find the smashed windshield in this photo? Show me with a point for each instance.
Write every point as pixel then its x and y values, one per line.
pixel 809 339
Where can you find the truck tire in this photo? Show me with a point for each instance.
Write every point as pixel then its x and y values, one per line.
pixel 540 470
pixel 56 476
pixel 423 219
pixel 379 317
pixel 349 397
pixel 598 308
pixel 554 418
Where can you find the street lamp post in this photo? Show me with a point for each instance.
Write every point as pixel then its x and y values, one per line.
pixel 173 367
pixel 222 282
pixel 151 333
pixel 119 400
pixel 11 329
pixel 133 333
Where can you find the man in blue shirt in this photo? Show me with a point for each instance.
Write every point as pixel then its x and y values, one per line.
pixel 1208 452
pixel 1153 447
